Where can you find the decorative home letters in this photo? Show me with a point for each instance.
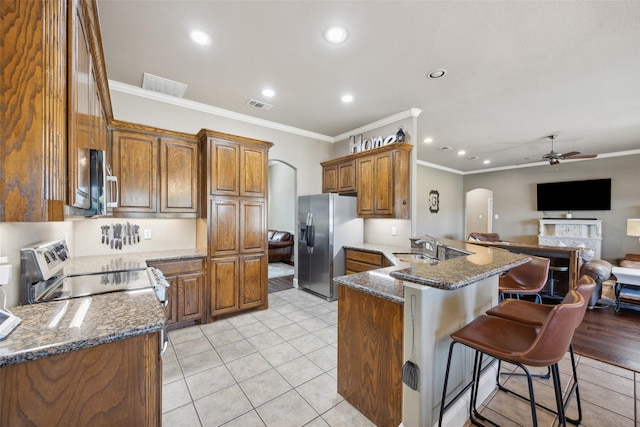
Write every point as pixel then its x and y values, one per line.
pixel 357 144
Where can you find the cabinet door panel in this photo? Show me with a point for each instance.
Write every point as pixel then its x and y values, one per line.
pixel 225 168
pixel 252 227
pixel 191 297
pixel 178 176
pixel 135 157
pixel 253 281
pixel 330 179
pixel 171 310
pixel 383 194
pixel 224 285
pixel 224 227
pixel 253 174
pixel 366 186
pixel 347 177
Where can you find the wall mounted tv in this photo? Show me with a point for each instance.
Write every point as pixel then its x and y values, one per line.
pixel 588 195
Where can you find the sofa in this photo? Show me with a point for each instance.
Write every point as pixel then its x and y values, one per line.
pixel 280 246
pixel 484 237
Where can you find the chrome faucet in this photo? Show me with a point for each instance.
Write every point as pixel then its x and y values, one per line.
pixel 427 244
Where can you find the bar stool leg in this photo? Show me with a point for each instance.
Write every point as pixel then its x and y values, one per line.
pixel 562 422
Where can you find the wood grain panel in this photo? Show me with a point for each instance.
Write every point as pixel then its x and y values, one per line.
pixel 224 285
pixel 366 257
pixel 225 168
pixel 118 383
pixel 178 176
pixel 370 355
pixel 383 195
pixel 224 226
pixel 253 174
pixel 330 179
pixel 253 236
pixel 33 102
pixel 366 186
pixel 253 281
pixel 347 177
pixel 190 297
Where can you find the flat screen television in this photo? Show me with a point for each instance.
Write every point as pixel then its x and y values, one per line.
pixel 588 195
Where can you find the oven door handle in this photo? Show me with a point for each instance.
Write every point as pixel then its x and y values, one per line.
pixel 164 341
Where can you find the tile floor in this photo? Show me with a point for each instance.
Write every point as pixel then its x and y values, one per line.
pixel 277 367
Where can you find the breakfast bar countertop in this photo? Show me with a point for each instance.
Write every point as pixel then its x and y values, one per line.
pixel 58 327
pixel 449 274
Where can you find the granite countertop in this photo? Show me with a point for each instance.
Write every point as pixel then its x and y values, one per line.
pixel 451 274
pixel 62 326
pixel 126 261
pixel 51 328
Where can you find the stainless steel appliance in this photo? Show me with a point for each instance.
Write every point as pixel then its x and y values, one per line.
pixel 96 189
pixel 42 277
pixel 326 222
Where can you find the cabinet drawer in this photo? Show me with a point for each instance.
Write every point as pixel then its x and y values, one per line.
pixel 365 257
pixel 357 267
pixel 178 266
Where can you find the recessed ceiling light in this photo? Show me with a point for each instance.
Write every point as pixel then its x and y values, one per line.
pixel 461 153
pixel 437 73
pixel 347 98
pixel 201 38
pixel 336 35
pixel 269 93
pixel 427 140
pixel 486 162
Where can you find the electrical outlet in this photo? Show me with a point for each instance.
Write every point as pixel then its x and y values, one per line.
pixel 147 233
pixel 394 231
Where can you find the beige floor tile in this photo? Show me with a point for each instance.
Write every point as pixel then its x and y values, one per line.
pixel 169 354
pixel 209 381
pixel 496 418
pixel 171 372
pixel 281 353
pixel 299 315
pixel 278 412
pixel 184 416
pixel 605 379
pixel 222 406
pixel 242 320
pixel 299 371
pixel 307 343
pixel 615 402
pixel 215 327
pixel 326 357
pixel 606 367
pixel 175 395
pixel 317 422
pixel 321 393
pixel 595 416
pixel 235 350
pixel 250 419
pixel 185 334
pixel 320 310
pixel 222 338
pixel 265 340
pixel 253 329
pixel 277 321
pixel 343 414
pixel 286 308
pixel 314 324
pixel 264 387
pixel 328 334
pixel 199 362
pixel 518 410
pixel 291 331
pixel 189 348
pixel 248 366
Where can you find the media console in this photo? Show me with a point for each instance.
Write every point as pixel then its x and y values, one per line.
pixel 572 232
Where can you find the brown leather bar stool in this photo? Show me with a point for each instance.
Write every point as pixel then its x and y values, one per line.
pixel 520 344
pixel 525 279
pixel 535 314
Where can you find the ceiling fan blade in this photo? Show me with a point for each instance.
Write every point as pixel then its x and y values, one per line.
pixel 569 154
pixel 583 156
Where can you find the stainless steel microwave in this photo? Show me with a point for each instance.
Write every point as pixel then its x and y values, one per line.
pixel 97 189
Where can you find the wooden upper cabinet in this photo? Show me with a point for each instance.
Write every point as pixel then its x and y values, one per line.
pixel 178 176
pixel 224 226
pixel 134 161
pixel 253 224
pixel 225 168
pixel 339 177
pixel 379 178
pixel 234 165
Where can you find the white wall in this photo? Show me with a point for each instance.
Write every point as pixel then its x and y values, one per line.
pixel 282 197
pixel 514 199
pixel 303 153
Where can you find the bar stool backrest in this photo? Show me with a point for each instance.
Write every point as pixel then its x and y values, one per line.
pixel 532 275
pixel 556 332
pixel 585 287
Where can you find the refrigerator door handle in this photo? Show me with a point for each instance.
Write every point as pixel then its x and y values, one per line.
pixel 310 233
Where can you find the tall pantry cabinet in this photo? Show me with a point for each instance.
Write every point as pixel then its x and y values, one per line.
pixel 233 220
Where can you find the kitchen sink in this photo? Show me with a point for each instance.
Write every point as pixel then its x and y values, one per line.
pixel 413 257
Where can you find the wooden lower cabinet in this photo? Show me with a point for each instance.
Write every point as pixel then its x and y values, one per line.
pixel 113 384
pixel 238 283
pixel 186 291
pixel 357 261
pixel 370 345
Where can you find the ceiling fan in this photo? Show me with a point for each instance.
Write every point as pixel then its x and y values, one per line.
pixel 554 158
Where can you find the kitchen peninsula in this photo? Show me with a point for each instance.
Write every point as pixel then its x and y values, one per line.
pixel 375 327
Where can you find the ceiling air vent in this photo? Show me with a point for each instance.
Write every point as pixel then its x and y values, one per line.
pixel 162 85
pixel 446 148
pixel 473 158
pixel 260 105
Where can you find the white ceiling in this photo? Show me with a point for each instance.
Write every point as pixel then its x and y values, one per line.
pixel 517 70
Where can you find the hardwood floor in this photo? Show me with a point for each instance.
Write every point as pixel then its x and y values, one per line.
pixel 610 337
pixel 280 283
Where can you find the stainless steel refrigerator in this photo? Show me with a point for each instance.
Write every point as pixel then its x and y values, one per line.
pixel 326 222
